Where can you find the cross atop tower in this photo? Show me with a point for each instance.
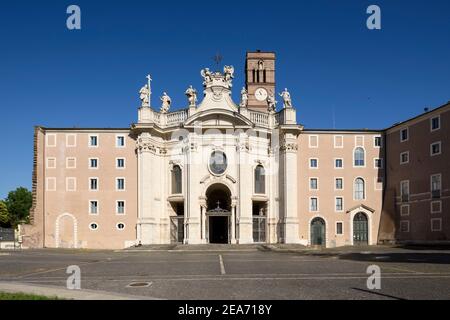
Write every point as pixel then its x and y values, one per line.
pixel 218 59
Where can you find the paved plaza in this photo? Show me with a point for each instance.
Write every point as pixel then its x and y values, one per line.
pixel 253 272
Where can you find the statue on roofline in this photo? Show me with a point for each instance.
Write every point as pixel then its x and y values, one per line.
pixel 166 102
pixel 244 98
pixel 287 101
pixel 191 93
pixel 144 96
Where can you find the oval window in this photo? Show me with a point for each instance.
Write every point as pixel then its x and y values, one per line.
pixel 218 163
pixel 120 226
pixel 93 226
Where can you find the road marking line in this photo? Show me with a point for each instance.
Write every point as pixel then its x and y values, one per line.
pixel 222 267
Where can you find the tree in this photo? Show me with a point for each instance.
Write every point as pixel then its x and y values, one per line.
pixel 4 216
pixel 19 204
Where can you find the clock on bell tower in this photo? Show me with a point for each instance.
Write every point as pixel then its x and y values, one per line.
pixel 259 79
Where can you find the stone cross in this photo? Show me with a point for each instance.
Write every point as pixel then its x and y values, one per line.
pixel 149 78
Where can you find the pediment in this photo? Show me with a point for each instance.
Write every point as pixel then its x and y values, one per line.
pixel 361 207
pixel 220 118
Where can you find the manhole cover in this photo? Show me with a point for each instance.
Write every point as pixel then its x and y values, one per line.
pixel 139 285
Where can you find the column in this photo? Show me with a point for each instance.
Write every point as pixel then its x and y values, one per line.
pixel 233 224
pixel 290 196
pixel 147 223
pixel 245 172
pixel 204 218
pixel 193 167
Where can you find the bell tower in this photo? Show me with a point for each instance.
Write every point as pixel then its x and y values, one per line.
pixel 259 79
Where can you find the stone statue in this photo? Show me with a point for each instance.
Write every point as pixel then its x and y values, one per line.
pixel 287 101
pixel 244 98
pixel 228 72
pixel 191 93
pixel 166 102
pixel 145 96
pixel 272 102
pixel 207 76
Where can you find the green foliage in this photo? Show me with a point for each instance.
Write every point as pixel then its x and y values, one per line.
pixel 19 204
pixel 24 296
pixel 4 216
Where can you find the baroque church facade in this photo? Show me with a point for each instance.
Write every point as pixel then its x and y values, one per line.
pixel 223 172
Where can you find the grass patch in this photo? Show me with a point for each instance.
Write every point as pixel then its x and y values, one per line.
pixel 24 296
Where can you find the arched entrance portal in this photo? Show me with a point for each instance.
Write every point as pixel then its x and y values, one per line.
pixel 218 199
pixel 318 232
pixel 360 229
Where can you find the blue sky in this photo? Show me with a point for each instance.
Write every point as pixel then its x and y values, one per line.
pixel 327 57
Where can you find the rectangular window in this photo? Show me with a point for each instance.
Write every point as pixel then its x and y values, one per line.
pixel 313 205
pixel 93 184
pixel 120 184
pixel 436 185
pixel 338 163
pixel 339 228
pixel 377 142
pixel 404 210
pixel 339 184
pixel 71 140
pixel 404 190
pixel 51 163
pixel 50 184
pixel 339 204
pixel 435 123
pixel 436 207
pixel 93 141
pixel 71 163
pixel 120 141
pixel 435 148
pixel 404 135
pixel 93 163
pixel 313 184
pixel 313 141
pixel 436 225
pixel 404 226
pixel 51 140
pixel 120 207
pixel 71 184
pixel 404 157
pixel 359 141
pixel 338 141
pixel 378 163
pixel 120 163
pixel 93 207
pixel 313 163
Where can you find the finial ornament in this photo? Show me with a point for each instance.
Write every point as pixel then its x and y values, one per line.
pixel 191 93
pixel 244 98
pixel 228 72
pixel 166 102
pixel 271 102
pixel 207 76
pixel 287 101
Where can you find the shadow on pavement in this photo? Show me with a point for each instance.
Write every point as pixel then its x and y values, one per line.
pixel 433 258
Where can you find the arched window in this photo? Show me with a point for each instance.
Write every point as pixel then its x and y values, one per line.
pixel 260 180
pixel 260 65
pixel 177 180
pixel 359 193
pixel 359 157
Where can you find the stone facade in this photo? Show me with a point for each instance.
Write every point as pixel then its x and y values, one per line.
pixel 226 172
